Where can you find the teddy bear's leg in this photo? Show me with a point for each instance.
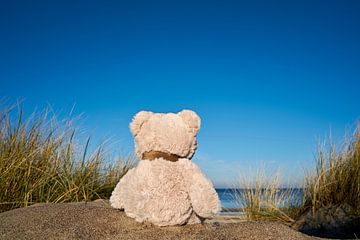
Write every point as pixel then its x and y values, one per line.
pixel 194 219
pixel 119 194
pixel 204 199
pixel 115 199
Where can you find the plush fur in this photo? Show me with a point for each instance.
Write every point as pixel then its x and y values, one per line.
pixel 160 191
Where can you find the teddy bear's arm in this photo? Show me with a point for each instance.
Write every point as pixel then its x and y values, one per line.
pixel 118 195
pixel 204 198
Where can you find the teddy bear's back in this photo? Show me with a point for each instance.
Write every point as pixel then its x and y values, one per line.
pixel 157 192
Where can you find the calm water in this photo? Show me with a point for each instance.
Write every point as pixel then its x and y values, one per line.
pixel 227 198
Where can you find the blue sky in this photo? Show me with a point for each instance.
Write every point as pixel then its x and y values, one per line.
pixel 268 78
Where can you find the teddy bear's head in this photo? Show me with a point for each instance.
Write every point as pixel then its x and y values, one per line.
pixel 165 134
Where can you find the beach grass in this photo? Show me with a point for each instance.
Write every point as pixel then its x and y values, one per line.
pixel 336 179
pixel 41 160
pixel 263 198
pixel 334 182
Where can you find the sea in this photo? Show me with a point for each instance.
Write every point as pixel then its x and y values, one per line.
pixel 229 201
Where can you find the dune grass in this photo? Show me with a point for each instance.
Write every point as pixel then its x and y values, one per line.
pixel 335 181
pixel 263 198
pixel 337 176
pixel 41 161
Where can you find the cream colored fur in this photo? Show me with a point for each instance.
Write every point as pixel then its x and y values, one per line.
pixel 163 192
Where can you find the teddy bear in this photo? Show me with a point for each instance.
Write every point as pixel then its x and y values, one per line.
pixel 166 187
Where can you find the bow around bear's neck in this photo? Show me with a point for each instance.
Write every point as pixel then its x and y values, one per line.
pixel 152 155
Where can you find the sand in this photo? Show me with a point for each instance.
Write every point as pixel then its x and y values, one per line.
pixel 96 220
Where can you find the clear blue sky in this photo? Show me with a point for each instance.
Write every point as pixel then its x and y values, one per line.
pixel 268 78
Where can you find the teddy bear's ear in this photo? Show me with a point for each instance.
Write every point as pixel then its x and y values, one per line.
pixel 139 119
pixel 191 119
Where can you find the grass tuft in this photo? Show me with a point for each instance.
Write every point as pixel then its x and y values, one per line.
pixel 263 198
pixel 335 181
pixel 337 176
pixel 40 161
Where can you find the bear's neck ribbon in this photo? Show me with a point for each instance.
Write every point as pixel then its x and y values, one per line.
pixel 152 155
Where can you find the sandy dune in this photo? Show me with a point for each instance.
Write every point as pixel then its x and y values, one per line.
pixel 96 220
